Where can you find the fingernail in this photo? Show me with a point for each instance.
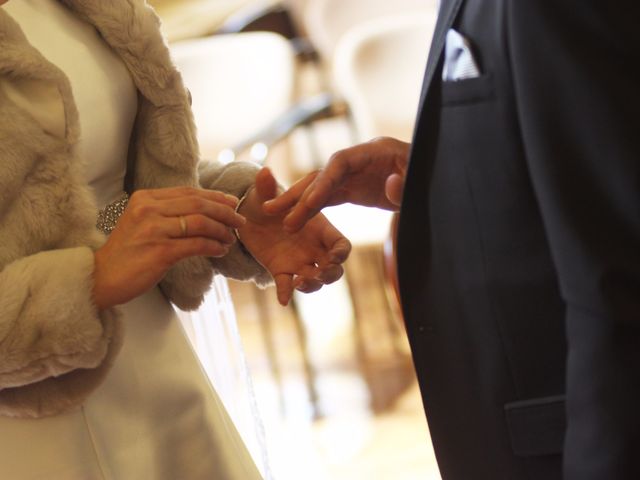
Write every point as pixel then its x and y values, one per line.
pixel 320 277
pixel 233 198
pixel 224 251
pixel 284 301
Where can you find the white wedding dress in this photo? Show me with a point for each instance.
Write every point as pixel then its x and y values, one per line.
pixel 157 415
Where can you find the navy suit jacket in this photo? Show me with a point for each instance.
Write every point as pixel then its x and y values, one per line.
pixel 519 243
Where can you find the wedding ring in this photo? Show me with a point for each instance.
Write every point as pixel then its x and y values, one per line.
pixel 183 225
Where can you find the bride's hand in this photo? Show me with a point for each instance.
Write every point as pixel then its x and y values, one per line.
pixel 304 260
pixel 157 229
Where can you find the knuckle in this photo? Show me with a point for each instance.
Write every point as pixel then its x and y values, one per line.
pixel 185 190
pixel 209 247
pixel 140 209
pixel 214 194
pixel 199 244
pixel 137 196
pixel 336 156
pixel 197 223
pixel 216 249
pixel 149 230
pixel 197 204
pixel 220 212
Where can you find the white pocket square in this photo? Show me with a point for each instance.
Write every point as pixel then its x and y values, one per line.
pixel 459 63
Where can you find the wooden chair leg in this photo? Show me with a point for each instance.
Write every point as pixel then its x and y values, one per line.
pixel 309 370
pixel 266 327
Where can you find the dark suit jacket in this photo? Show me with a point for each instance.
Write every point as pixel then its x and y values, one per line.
pixel 519 243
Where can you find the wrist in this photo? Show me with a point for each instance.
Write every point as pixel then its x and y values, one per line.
pixel 244 210
pixel 99 297
pixel 105 290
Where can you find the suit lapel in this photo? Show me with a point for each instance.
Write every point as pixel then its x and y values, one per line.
pixel 413 232
pixel 448 11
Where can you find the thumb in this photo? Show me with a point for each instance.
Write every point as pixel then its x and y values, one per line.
pixel 393 189
pixel 284 288
pixel 266 185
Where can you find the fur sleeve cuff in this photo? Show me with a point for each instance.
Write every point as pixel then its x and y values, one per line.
pixel 55 346
pixel 235 179
pixel 187 281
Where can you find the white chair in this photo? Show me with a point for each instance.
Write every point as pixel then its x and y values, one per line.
pixel 378 68
pixel 239 84
pixel 326 21
pixel 184 19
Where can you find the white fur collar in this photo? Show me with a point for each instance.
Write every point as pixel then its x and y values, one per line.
pixel 164 151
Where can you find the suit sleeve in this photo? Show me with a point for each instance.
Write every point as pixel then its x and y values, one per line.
pixel 577 93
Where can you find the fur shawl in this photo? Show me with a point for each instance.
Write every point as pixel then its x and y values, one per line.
pixel 55 346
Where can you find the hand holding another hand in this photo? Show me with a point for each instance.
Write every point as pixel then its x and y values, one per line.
pixel 157 229
pixel 304 260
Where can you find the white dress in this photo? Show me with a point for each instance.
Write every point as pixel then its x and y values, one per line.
pixel 156 416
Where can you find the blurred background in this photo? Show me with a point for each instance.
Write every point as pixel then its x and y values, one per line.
pixel 324 388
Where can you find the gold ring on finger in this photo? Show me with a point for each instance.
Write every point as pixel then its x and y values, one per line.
pixel 183 226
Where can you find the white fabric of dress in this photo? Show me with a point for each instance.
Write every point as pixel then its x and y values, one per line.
pixel 157 415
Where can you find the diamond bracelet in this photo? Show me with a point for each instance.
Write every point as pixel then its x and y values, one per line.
pixel 109 215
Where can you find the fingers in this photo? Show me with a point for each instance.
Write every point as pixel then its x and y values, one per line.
pixel 288 199
pixel 266 185
pixel 197 246
pixel 316 196
pixel 284 288
pixel 145 205
pixel 338 245
pixel 188 206
pixel 198 226
pixel 340 251
pixel 330 274
pixel 154 216
pixel 327 183
pixel 181 192
pixel 298 217
pixel 393 188
pixel 311 194
pixel 307 285
pixel 323 191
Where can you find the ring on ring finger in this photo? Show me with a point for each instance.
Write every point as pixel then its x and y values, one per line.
pixel 183 226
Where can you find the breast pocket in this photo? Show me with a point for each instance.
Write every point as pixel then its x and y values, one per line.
pixel 468 91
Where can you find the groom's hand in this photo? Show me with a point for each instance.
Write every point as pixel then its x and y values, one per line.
pixel 370 174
